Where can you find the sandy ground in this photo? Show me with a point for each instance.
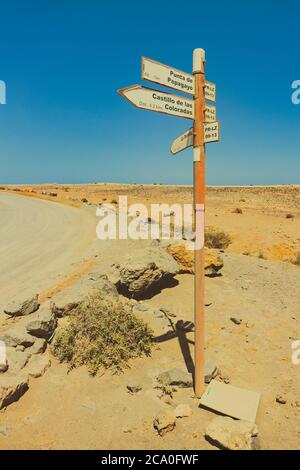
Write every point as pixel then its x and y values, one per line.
pixel 40 242
pixel 75 411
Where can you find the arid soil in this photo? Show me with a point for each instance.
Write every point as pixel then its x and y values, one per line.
pixel 260 286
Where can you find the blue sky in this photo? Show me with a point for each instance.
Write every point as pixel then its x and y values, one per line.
pixel 63 61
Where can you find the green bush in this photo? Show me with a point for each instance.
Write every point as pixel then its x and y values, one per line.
pixel 102 334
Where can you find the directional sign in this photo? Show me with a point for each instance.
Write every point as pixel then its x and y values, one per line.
pixel 174 78
pixel 183 141
pixel 159 101
pixel 167 76
pixel 211 132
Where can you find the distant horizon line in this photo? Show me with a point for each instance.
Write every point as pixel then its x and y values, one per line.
pixel 149 184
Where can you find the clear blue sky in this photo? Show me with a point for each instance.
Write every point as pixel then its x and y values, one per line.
pixel 63 61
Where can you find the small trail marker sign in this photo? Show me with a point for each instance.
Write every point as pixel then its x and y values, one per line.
pixel 206 129
pixel 211 132
pixel 210 113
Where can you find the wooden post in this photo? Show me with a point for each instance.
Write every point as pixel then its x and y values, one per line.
pixel 199 207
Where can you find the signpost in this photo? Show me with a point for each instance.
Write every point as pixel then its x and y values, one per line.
pixel 206 129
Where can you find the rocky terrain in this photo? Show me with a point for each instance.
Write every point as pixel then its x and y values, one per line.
pixel 252 318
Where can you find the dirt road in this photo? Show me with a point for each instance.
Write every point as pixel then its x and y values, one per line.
pixel 40 242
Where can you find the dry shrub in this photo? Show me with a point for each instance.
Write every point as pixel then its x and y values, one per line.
pixel 215 238
pixel 289 216
pixel 102 334
pixel 297 259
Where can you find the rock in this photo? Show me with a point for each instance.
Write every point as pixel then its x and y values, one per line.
pixel 237 321
pixel 175 377
pixel 38 365
pixel 38 347
pixel 164 422
pixel 213 263
pixel 17 360
pixel 142 271
pixel 141 307
pixel 210 371
pixel 17 309
pixel 43 323
pixel 106 287
pixel 20 348
pixel 281 399
pixel 183 253
pixel 231 434
pixel 134 388
pixel 224 378
pixel 126 429
pixel 183 411
pixel 67 300
pixel 3 367
pixel 16 335
pixel 12 387
pixel 158 314
pixel 4 430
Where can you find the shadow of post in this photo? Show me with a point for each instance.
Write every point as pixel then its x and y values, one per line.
pixel 179 330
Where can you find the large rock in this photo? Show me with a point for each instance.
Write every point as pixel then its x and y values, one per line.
pixel 183 252
pixel 103 285
pixel 12 387
pixel 43 323
pixel 37 366
pixel 17 360
pixel 67 300
pixel 38 347
pixel 19 309
pixel 177 377
pixel 143 270
pixel 231 434
pixel 16 335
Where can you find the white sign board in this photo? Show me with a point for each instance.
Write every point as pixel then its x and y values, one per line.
pixel 210 91
pixel 211 132
pixel 159 101
pixel 167 76
pixel 183 141
pixel 210 114
pixel 174 78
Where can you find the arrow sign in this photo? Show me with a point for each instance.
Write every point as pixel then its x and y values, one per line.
pixel 185 140
pixel 158 101
pixel 173 78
